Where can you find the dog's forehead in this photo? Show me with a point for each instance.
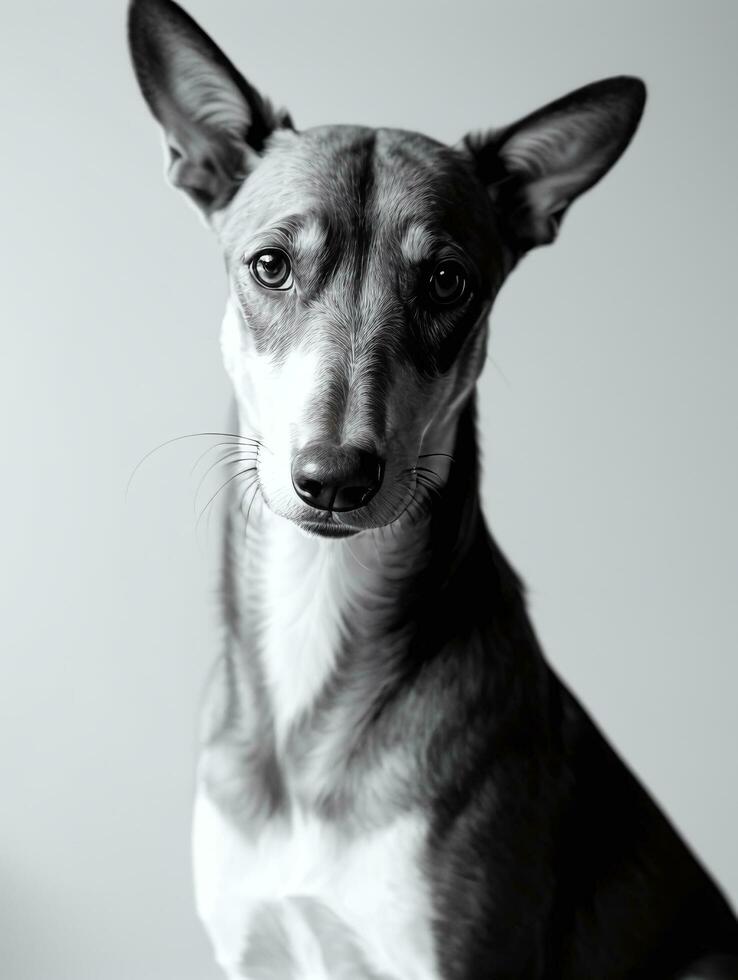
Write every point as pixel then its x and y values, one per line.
pixel 386 182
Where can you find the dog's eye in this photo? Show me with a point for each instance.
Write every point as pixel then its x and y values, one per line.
pixel 447 283
pixel 272 268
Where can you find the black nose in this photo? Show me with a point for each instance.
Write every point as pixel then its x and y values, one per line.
pixel 336 478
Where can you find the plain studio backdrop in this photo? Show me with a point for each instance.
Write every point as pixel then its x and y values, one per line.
pixel 608 420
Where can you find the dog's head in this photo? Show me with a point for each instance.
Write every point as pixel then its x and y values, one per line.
pixel 363 263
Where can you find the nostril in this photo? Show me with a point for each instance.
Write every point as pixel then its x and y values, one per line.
pixel 350 497
pixel 362 486
pixel 314 492
pixel 336 478
pixel 310 487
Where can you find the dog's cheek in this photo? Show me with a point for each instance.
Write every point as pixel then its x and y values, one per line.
pixel 447 398
pixel 407 402
pixel 461 378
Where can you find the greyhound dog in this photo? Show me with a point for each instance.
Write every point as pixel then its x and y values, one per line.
pixel 393 782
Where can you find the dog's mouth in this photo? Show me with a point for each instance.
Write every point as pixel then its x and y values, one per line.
pixel 329 527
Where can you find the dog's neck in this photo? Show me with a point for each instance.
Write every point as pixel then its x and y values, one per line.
pixel 327 631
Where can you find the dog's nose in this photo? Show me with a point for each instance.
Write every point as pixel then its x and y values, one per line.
pixel 338 478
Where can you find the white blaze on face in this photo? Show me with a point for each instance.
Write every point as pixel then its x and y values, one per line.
pixel 274 400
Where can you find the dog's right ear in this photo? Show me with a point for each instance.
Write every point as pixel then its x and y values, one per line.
pixel 215 123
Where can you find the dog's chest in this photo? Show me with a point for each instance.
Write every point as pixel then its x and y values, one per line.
pixel 301 901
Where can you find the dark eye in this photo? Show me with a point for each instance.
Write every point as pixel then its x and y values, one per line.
pixel 447 283
pixel 272 268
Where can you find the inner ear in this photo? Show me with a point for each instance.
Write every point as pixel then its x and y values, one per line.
pixel 215 123
pixel 535 168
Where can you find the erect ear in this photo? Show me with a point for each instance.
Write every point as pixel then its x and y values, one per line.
pixel 214 122
pixel 536 167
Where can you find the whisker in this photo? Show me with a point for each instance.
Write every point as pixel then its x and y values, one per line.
pixel 431 488
pixel 189 435
pixel 248 486
pixel 249 469
pixel 356 558
pixel 392 524
pixel 215 445
pixel 428 482
pixel 251 504
pixel 499 370
pixel 426 470
pixel 231 458
pixel 430 485
pixel 249 483
pixel 421 506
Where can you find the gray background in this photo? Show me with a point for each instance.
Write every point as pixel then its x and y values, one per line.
pixel 608 419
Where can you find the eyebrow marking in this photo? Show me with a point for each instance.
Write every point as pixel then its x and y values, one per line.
pixel 310 239
pixel 303 234
pixel 278 234
pixel 418 243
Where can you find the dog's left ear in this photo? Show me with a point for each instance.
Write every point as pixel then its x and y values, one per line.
pixel 535 168
pixel 214 121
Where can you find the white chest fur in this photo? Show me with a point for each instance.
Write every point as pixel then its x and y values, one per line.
pixel 303 600
pixel 299 902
